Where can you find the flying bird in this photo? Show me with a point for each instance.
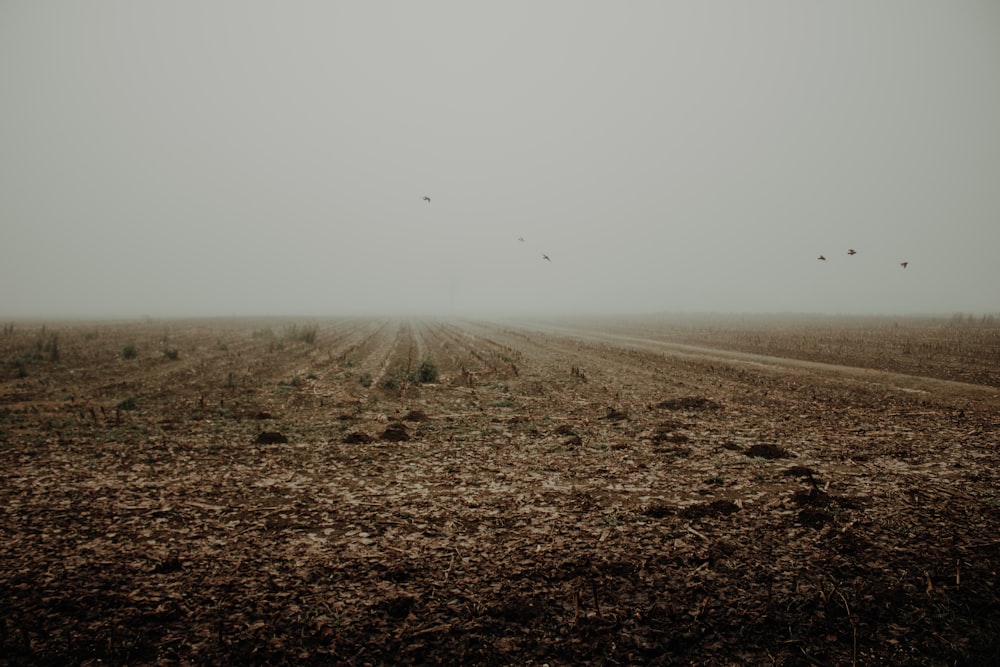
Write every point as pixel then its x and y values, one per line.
pixel 521 239
pixel 852 251
pixel 903 264
pixel 546 258
pixel 821 258
pixel 427 199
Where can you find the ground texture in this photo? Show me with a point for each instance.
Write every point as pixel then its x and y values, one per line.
pixel 368 492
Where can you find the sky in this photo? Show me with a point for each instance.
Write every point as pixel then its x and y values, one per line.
pixel 242 157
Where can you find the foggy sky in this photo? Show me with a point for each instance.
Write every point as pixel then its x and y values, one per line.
pixel 239 158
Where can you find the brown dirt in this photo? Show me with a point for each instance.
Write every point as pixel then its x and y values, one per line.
pixel 605 496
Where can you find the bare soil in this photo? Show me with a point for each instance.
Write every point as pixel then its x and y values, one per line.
pixel 616 492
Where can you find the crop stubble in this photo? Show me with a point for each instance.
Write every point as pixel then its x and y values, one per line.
pixel 584 494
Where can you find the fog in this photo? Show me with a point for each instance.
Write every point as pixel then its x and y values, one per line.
pixel 262 158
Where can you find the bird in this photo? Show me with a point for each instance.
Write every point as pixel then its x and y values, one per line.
pixel 821 258
pixel 427 199
pixel 903 264
pixel 852 251
pixel 546 258
pixel 521 239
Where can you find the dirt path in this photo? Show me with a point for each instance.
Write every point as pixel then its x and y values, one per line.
pixel 888 379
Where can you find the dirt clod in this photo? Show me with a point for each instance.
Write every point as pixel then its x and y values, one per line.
pixel 659 511
pixel 715 508
pixel 395 433
pixel 689 403
pixel 799 471
pixel 814 518
pixel 768 452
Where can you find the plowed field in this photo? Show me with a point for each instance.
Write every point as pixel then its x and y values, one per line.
pixel 368 492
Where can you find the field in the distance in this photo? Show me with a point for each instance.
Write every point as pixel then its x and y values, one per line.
pixel 644 491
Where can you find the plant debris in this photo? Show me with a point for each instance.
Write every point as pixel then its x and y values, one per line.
pixel 523 524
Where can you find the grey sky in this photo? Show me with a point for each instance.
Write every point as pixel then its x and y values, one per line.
pixel 217 158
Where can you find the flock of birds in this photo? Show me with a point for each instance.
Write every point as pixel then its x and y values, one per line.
pixel 850 251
